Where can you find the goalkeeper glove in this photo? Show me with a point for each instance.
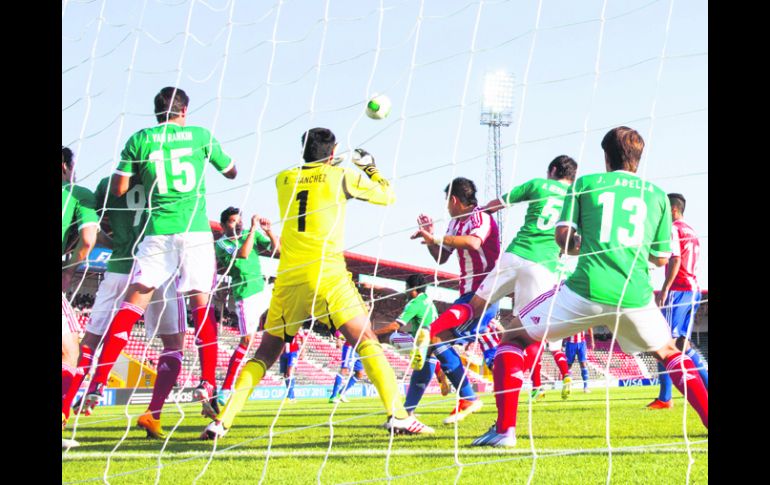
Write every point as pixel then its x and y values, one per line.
pixel 365 162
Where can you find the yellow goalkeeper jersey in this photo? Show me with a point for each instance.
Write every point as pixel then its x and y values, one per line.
pixel 312 199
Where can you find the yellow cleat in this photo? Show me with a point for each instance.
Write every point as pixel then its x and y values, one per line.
pixel 151 425
pixel 420 350
pixel 566 387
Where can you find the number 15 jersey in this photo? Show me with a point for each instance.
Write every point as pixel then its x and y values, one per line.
pixel 312 199
pixel 170 159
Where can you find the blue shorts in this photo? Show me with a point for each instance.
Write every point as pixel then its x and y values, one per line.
pixel 578 349
pixel 350 359
pixel 467 331
pixel 288 360
pixel 679 310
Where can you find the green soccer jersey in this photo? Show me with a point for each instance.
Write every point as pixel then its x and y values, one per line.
pixel 622 220
pixel 170 160
pixel 420 312
pixel 78 209
pixel 245 272
pixel 535 240
pixel 127 218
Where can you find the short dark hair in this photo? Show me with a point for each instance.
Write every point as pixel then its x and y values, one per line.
pixel 66 156
pixel 415 282
pixel 227 213
pixel 319 146
pixel 623 146
pixel 169 103
pixel 565 166
pixel 677 200
pixel 464 189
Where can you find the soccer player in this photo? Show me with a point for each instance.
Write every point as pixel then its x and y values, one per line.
pixel 576 345
pixel 313 280
pixel 617 223
pixel 419 312
pixel 78 207
pixel 474 234
pixel 291 353
pixel 350 360
pixel 239 253
pixel 679 297
pixel 165 316
pixel 170 159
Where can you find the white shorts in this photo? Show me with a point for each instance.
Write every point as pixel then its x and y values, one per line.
pixel 639 329
pixel 69 321
pixel 167 320
pixel 188 256
pixel 250 309
pixel 514 274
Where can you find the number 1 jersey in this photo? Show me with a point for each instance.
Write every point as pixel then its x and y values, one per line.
pixel 312 199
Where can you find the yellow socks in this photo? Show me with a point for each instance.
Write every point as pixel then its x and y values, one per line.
pixel 253 372
pixel 382 376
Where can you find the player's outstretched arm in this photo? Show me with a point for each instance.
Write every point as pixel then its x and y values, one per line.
pixel 493 206
pixel 568 239
pixel 433 243
pixel 86 243
pixel 248 244
pixel 231 174
pixel 375 189
pixel 275 242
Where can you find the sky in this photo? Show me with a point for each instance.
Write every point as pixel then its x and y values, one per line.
pixel 260 73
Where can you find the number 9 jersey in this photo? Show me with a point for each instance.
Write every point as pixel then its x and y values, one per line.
pixel 312 199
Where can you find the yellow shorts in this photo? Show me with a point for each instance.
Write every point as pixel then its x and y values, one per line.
pixel 337 301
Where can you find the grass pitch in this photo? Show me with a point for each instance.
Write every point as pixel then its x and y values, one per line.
pixel 567 444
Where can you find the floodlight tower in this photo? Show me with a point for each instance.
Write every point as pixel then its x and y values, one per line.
pixel 496 112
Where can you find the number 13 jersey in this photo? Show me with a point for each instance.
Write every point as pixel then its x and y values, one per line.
pixel 312 199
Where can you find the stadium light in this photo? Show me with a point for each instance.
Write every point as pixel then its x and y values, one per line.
pixel 496 111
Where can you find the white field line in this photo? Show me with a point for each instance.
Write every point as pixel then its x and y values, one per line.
pixel 486 451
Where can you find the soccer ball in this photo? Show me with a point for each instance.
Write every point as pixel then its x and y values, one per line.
pixel 378 107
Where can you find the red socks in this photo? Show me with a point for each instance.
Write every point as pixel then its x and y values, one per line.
pixel 67 375
pixel 84 365
pixel 235 364
pixel 537 381
pixel 454 316
pixel 561 362
pixel 117 337
pixel 508 373
pixel 697 395
pixel 206 340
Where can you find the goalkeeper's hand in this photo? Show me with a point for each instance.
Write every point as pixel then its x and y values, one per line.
pixel 365 161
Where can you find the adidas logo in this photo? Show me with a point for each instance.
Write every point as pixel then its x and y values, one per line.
pixel 163 367
pixel 535 320
pixel 456 313
pixel 122 335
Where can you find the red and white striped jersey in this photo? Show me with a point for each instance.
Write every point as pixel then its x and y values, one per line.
pixel 489 339
pixel 474 265
pixel 577 338
pixel 298 340
pixel 684 243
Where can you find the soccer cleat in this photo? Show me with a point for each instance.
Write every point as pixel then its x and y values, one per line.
pixel 67 444
pixel 408 425
pixel 289 400
pixel 334 399
pixel 92 400
pixel 566 387
pixel 493 438
pixel 462 410
pixel 344 398
pixel 151 425
pixel 587 390
pixel 203 393
pixel 658 404
pixel 213 431
pixel 537 394
pixel 420 350
pixel 443 382
pixel 223 396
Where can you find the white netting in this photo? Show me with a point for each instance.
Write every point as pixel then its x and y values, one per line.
pixel 260 74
